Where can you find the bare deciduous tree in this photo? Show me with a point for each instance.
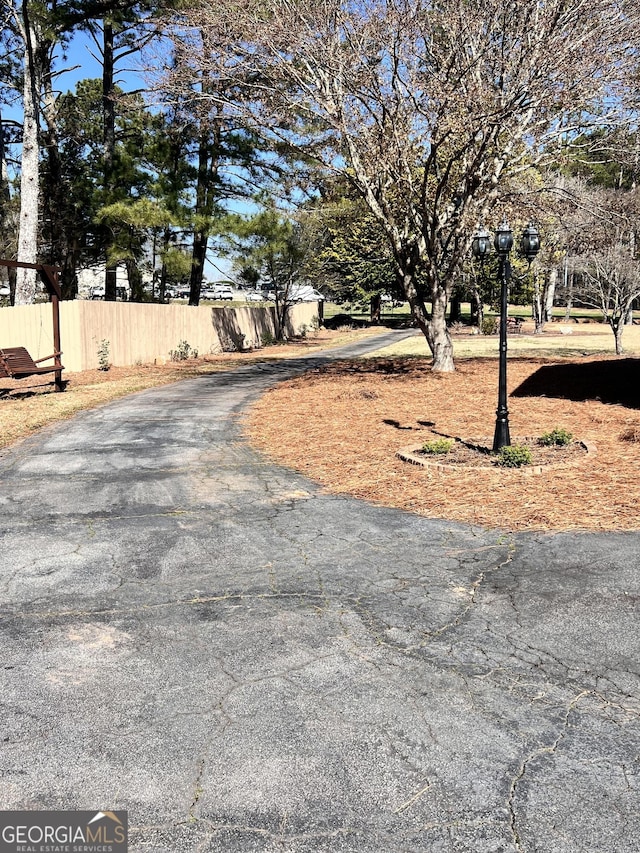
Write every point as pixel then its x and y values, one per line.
pixel 602 227
pixel 612 283
pixel 426 108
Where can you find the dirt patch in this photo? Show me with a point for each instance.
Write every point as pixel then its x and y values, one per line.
pixel 344 424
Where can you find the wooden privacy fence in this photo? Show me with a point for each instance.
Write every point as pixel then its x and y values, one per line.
pixel 140 333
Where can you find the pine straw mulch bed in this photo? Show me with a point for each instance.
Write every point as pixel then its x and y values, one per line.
pixel 343 424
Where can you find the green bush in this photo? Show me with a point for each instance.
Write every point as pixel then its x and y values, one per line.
pixel 103 355
pixel 557 436
pixel 514 456
pixel 488 325
pixel 268 339
pixel 438 446
pixel 182 352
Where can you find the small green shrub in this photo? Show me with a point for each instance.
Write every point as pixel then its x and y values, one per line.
pixel 488 325
pixel 182 352
pixel 557 436
pixel 514 456
pixel 103 355
pixel 438 446
pixel 267 339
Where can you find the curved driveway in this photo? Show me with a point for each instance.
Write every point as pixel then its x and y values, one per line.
pixel 245 663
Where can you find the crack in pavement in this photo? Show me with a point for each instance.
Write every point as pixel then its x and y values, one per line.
pixel 271 667
pixel 547 750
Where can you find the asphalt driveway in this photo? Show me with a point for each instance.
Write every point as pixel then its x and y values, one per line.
pixel 245 663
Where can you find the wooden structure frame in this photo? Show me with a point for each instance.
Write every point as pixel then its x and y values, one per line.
pixel 49 276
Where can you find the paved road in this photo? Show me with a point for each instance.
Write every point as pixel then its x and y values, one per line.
pixel 247 664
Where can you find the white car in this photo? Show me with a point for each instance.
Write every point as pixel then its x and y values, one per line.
pixel 218 291
pixel 254 296
pixel 305 293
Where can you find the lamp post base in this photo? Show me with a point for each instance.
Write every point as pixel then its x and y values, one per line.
pixel 501 437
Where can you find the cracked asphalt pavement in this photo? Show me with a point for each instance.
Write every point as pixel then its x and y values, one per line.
pixel 246 663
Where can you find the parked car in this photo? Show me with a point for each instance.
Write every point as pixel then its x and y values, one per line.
pixel 98 292
pixel 221 291
pixel 254 296
pixel 305 293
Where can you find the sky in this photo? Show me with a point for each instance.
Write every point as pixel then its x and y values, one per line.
pixel 80 64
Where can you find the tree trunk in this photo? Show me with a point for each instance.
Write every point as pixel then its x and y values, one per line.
pixel 281 311
pixel 166 242
pixel 568 285
pixel 438 336
pixel 375 308
pixel 30 175
pixel 434 328
pixel 53 189
pixel 477 308
pixel 538 306
pixel 617 327
pixel 550 295
pixel 198 255
pixel 280 315
pixel 455 309
pixel 200 237
pixel 109 148
pixel 5 201
pixel 208 159
pixel 135 281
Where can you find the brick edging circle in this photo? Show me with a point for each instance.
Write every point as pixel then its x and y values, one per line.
pixel 415 457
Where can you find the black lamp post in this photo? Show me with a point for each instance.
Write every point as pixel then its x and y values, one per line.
pixel 503 243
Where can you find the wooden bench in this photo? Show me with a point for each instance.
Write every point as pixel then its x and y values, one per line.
pixel 514 325
pixel 16 363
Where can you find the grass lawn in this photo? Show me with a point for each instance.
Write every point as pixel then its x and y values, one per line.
pixel 559 340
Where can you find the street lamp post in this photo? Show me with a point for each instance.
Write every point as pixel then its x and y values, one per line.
pixel 503 243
